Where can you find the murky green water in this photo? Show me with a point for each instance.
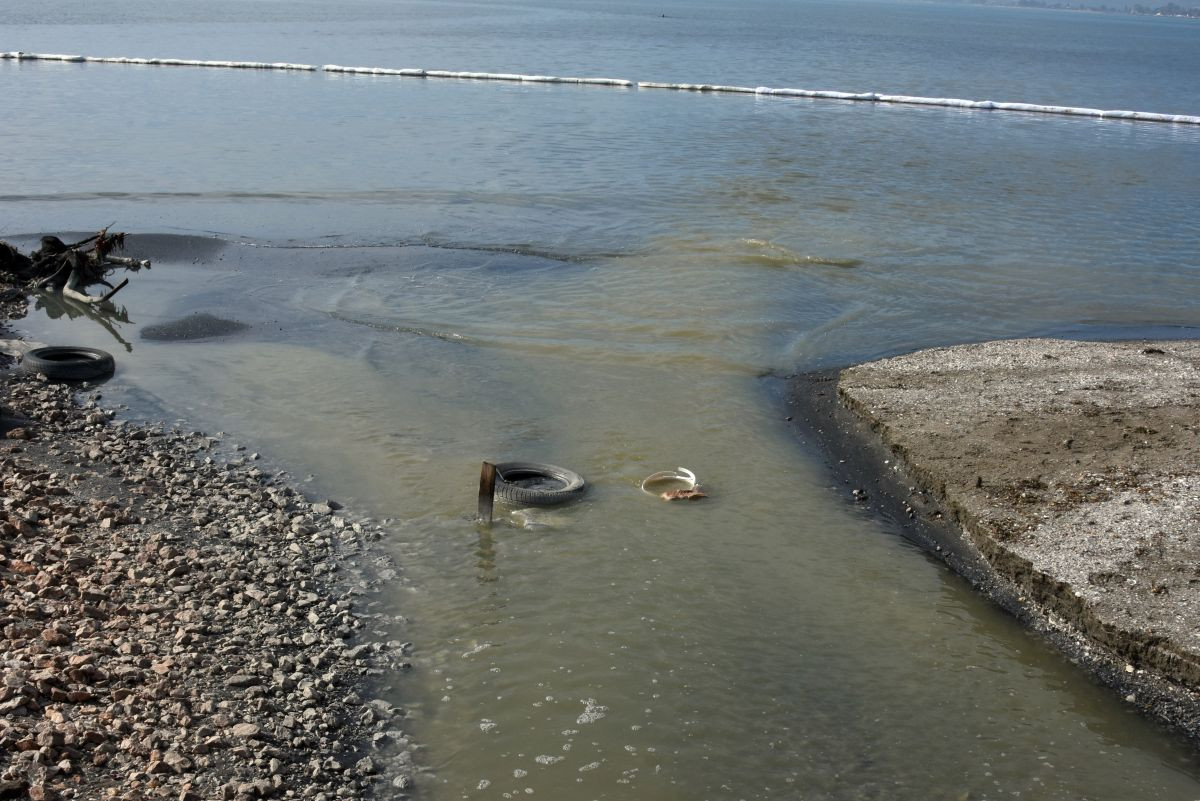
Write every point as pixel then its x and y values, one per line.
pixel 772 641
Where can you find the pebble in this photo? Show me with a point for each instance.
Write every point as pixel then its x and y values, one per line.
pixel 242 680
pixel 235 682
pixel 246 731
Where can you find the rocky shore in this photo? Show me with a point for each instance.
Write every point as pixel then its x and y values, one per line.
pixel 1061 477
pixel 175 622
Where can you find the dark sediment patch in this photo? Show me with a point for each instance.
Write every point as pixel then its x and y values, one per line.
pixel 195 326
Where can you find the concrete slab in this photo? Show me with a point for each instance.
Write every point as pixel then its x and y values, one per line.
pixel 1073 470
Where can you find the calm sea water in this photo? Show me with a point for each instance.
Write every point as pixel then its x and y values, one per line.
pixel 440 272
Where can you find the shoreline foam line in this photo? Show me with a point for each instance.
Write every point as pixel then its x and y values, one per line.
pixel 758 91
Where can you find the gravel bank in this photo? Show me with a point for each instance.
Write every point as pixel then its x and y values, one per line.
pixel 1070 475
pixel 177 623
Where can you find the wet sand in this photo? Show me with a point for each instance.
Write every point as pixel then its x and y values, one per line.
pixel 1061 477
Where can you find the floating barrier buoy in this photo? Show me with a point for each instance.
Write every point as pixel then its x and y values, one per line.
pixel 702 88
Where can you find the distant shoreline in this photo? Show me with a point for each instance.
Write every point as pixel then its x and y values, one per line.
pixel 1138 10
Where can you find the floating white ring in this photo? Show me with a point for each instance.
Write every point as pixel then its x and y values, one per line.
pixel 680 474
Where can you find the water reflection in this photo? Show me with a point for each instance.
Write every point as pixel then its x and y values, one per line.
pixel 486 555
pixel 107 315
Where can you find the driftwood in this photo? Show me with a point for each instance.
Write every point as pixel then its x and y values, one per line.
pixel 71 269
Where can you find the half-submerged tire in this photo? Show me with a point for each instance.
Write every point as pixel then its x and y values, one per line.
pixel 535 484
pixel 69 363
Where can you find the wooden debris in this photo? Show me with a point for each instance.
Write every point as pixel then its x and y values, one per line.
pixel 71 269
pixel 487 492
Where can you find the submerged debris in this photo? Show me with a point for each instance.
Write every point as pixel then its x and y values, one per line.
pixel 682 495
pixel 195 326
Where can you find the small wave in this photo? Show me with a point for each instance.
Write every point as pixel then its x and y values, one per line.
pixel 400 328
pixel 529 250
pixel 772 255
pixel 764 252
pixel 159 196
pixel 515 249
pixel 388 196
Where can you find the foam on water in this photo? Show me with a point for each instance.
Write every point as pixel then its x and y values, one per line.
pixel 760 91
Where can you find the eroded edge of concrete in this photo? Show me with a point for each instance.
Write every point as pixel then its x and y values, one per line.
pixel 863 460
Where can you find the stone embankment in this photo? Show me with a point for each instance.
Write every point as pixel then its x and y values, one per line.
pixel 1073 470
pixel 175 623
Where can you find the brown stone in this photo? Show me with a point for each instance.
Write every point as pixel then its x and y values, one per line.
pixel 40 792
pixel 55 637
pixel 178 762
pixel 247 731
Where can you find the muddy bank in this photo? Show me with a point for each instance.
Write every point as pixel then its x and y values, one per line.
pixel 178 622
pixel 1062 478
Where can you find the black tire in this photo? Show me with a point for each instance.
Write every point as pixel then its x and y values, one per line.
pixel 512 478
pixel 68 363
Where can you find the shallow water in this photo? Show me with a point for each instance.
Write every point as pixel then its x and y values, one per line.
pixel 612 280
pixel 768 641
